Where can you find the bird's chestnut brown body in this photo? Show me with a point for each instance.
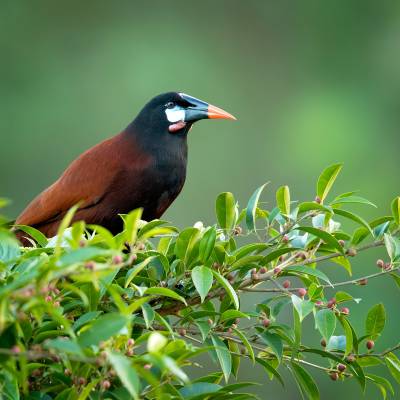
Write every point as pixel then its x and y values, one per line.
pixel 143 166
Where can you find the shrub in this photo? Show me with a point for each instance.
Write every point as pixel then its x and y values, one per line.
pixel 91 315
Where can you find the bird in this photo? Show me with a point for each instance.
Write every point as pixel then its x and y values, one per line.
pixel 144 166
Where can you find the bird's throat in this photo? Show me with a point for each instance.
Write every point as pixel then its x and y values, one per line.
pixel 177 126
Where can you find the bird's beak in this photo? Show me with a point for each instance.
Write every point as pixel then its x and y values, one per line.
pixel 199 109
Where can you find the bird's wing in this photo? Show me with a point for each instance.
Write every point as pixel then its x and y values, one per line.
pixel 86 180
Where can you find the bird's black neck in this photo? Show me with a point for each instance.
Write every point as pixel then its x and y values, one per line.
pixel 158 141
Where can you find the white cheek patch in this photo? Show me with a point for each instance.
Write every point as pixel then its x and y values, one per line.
pixel 175 114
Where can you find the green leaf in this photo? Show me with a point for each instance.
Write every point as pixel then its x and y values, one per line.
pixel 102 329
pixel 325 321
pixel 148 314
pixel 249 248
pixel 382 384
pixel 82 254
pixel 354 217
pixel 9 247
pixel 131 223
pixel 392 247
pixel 126 373
pixel 276 254
pixel 9 386
pixel 283 199
pixel 343 296
pixel 228 288
pixel 64 345
pixel 375 321
pixel 246 343
pixel 348 331
pixel 396 210
pixel 158 291
pixel 223 355
pixel 34 233
pixel 305 381
pixel 313 206
pixel 351 200
pixel 324 236
pixel 198 389
pixel 326 180
pixel 232 314
pixel 65 222
pixel 269 368
pixel 185 246
pixel 202 279
pixel 393 364
pixel 252 207
pixel 274 341
pixel 303 307
pixel 225 209
pixel 84 319
pixel 344 262
pixel 309 271
pixel 136 269
pixel 88 389
pixel 207 244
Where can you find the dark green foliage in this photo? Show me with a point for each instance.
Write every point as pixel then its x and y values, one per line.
pixel 91 316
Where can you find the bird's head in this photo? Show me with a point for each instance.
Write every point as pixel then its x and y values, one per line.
pixel 175 112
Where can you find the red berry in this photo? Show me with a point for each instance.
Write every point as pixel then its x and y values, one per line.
pixel 132 258
pixel 15 350
pixel 318 199
pixel 130 342
pixel 90 265
pixel 363 282
pixel 266 322
pixel 345 311
pixel 342 242
pixel 380 263
pixel 387 266
pixel 285 238
pixel 351 252
pixel 182 331
pixel 341 367
pixel 117 259
pixel 147 366
pixel 48 298
pixel 350 358
pixel 319 303
pixel 81 381
pixel 302 292
pixel 323 342
pixel 334 376
pixel 277 270
pixel 106 385
pixel 331 303
pixel 262 270
pixel 370 344
pixel 286 284
pixel 129 352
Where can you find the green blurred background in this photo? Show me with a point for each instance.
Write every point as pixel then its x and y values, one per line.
pixel 310 82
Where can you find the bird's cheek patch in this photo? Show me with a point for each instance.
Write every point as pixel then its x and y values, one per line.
pixel 177 127
pixel 175 114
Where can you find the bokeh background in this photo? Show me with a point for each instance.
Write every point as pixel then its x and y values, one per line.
pixel 311 82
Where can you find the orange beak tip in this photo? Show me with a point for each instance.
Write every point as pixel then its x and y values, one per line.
pixel 215 112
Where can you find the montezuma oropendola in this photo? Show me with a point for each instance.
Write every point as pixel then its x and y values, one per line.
pixel 143 166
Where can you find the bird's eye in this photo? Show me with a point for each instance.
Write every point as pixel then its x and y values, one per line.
pixel 170 104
